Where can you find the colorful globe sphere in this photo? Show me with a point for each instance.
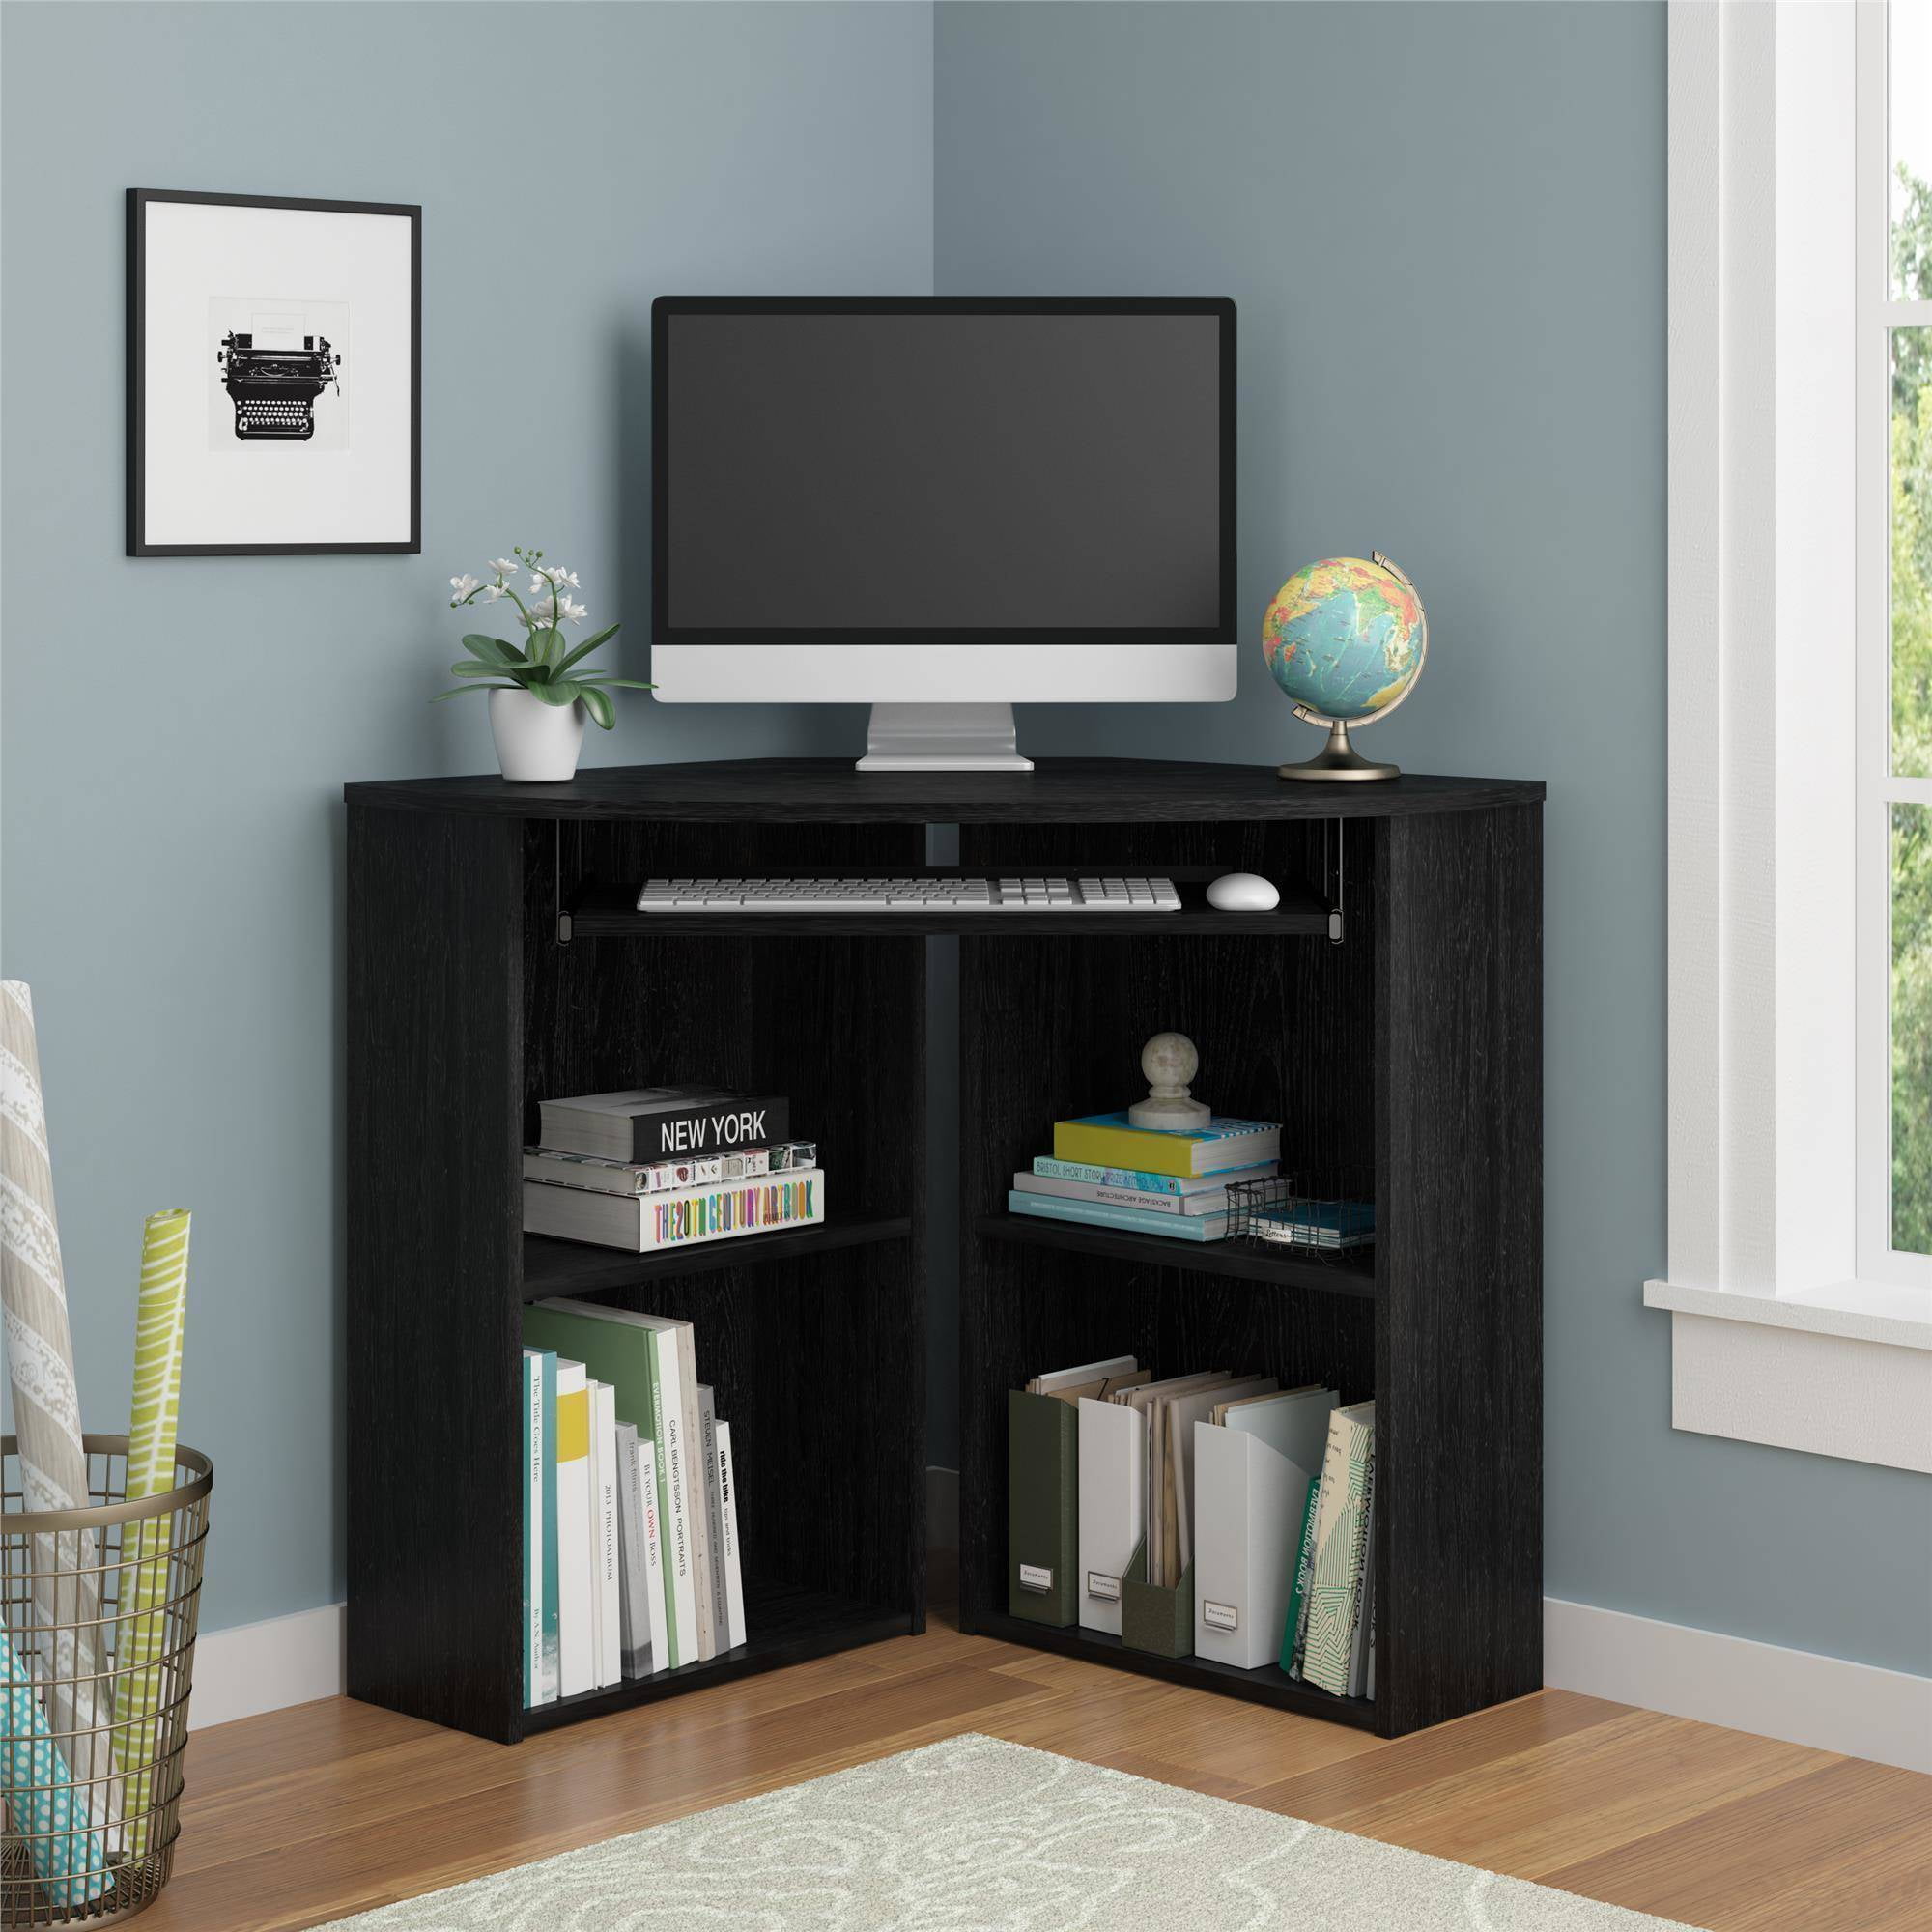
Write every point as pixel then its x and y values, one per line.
pixel 1345 638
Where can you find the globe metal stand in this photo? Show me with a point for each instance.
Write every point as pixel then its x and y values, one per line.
pixel 1338 760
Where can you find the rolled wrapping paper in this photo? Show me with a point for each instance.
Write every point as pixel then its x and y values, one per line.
pixel 40 1362
pixel 151 1471
pixel 50 1816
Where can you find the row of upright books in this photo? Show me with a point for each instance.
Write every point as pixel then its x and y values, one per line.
pixel 665 1167
pixel 631 1561
pixel 1216 1514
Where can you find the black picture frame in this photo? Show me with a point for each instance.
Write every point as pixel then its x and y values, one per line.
pixel 138 201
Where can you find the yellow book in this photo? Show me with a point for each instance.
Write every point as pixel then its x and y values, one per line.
pixel 1106 1140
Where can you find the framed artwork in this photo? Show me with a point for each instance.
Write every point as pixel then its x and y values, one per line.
pixel 274 376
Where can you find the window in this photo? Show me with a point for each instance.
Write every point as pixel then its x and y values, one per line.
pixel 1893 265
pixel 1799 1273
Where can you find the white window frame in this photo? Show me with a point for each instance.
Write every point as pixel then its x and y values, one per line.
pixel 1779 1334
pixel 1878 789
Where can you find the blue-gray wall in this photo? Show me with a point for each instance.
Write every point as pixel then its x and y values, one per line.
pixel 1444 225
pixel 177 731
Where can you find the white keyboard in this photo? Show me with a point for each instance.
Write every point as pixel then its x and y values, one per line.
pixel 1014 895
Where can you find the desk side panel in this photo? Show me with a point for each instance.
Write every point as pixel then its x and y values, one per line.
pixel 1459 1105
pixel 434 1254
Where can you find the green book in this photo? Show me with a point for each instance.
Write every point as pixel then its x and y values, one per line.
pixel 1043 1508
pixel 1347 1475
pixel 616 1348
pixel 1297 1595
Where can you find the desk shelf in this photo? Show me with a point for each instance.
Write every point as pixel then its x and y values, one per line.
pixel 1351 1274
pixel 553 1267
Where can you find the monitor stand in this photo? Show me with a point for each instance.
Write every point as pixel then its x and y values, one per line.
pixel 942 738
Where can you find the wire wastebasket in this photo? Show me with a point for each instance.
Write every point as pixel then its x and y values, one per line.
pixel 96 1655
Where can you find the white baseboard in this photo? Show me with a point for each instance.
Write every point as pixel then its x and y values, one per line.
pixel 1794 1695
pixel 267 1667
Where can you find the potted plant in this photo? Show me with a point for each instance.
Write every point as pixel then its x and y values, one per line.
pixel 539 693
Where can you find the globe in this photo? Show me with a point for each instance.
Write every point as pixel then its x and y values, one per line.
pixel 1346 638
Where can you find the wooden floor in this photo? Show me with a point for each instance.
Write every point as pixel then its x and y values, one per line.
pixel 308 1814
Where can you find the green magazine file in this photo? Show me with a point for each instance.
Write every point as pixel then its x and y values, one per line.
pixel 1043 1508
pixel 1152 1616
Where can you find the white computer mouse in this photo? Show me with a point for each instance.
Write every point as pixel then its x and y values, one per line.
pixel 1242 892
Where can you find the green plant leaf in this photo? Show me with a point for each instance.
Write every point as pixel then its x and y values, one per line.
pixel 471 667
pixel 462 688
pixel 557 691
pixel 620 683
pixel 492 650
pixel 598 705
pixel 588 645
pixel 546 646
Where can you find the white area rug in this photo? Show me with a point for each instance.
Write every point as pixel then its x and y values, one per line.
pixel 977 1835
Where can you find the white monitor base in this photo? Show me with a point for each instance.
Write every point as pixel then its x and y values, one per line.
pixel 942 738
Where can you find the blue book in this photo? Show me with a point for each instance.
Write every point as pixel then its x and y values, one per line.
pixel 542 1675
pixel 1142 1182
pixel 1128 1220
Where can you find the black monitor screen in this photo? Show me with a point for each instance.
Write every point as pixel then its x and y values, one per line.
pixel 921 468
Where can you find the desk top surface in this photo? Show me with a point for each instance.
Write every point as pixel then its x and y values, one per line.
pixel 1099 790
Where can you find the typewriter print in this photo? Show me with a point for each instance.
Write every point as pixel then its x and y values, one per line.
pixel 275 375
pixel 280 375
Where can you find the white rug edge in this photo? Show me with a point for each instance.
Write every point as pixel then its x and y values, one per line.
pixel 1637 1920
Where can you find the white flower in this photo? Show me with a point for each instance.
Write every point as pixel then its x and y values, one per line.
pixel 570 611
pixel 539 588
pixel 493 593
pixel 503 566
pixel 465 586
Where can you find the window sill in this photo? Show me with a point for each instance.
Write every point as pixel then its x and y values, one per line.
pixel 1859 1311
pixel 1846 1371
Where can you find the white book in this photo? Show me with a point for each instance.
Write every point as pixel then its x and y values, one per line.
pixel 1113 1506
pixel 633 1612
pixel 609 1623
pixel 728 1511
pixel 1203 1201
pixel 1245 1540
pixel 708 1443
pixel 1086 1372
pixel 687 1537
pixel 575 1650
pixel 1359 1655
pixel 655 1604
pixel 535 1452
pixel 720 1210
pixel 596 1545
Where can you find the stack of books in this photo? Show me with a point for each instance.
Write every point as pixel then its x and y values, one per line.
pixel 630 1505
pixel 665 1167
pixel 1112 1175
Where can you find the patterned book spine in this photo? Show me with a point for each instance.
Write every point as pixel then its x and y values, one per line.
pixel 160 1326
pixel 1294 1630
pixel 47 1808
pixel 1333 1602
pixel 748 1209
pixel 39 1361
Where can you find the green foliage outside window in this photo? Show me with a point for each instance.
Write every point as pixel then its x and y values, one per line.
pixel 1911 730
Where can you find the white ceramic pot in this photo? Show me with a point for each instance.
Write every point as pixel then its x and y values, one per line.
pixel 535 741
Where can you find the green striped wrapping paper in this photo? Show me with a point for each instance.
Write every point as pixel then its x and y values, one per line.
pixel 151 1471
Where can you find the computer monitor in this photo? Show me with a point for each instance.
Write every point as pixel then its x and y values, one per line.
pixel 941 506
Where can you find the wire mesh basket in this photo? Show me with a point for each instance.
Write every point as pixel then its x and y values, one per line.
pixel 1315 1218
pixel 96 1655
